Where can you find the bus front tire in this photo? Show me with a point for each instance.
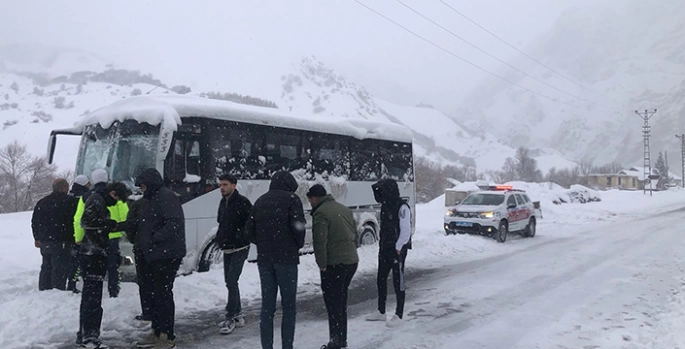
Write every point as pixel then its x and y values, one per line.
pixel 212 254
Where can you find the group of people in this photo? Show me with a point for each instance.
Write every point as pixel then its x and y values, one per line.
pixel 91 220
pixel 82 232
pixel 276 225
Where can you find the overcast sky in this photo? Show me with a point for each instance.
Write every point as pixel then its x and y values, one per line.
pixel 243 46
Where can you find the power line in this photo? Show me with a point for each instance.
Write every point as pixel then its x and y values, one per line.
pixel 527 55
pixel 463 59
pixel 494 57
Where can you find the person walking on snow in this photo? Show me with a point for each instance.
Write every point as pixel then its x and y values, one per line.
pixel 277 226
pixel 234 211
pixel 118 213
pixel 334 235
pixel 161 240
pixel 97 225
pixel 80 186
pixel 395 239
pixel 52 230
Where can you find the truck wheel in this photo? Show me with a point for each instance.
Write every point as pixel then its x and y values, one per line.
pixel 502 231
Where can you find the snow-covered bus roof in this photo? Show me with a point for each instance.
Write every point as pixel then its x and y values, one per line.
pixel 169 109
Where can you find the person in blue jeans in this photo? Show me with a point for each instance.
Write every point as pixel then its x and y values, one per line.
pixel 277 226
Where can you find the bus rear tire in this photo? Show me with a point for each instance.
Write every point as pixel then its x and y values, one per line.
pixel 212 254
pixel 367 236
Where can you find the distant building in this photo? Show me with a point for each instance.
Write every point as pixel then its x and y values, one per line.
pixel 632 178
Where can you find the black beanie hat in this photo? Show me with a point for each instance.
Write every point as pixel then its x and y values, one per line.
pixel 316 191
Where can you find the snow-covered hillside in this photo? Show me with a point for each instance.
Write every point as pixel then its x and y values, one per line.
pixel 625 67
pixel 30 110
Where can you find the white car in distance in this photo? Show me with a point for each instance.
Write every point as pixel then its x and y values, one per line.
pixel 494 213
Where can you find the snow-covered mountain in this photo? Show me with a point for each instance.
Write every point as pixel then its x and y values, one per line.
pixel 30 107
pixel 620 58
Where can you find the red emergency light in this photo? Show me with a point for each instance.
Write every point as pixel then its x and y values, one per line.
pixel 504 187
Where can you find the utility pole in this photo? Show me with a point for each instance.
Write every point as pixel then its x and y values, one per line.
pixel 682 158
pixel 646 133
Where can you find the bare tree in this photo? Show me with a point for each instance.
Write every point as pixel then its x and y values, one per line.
pixel 585 166
pixel 24 179
pixel 552 177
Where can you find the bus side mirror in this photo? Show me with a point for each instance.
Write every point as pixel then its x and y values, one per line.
pixel 52 141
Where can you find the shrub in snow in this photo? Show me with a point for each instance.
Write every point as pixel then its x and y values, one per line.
pixel 38 92
pixel 15 87
pixel 5 106
pixel 7 96
pixel 136 92
pixel 181 89
pixel 237 98
pixel 63 87
pixel 9 123
pixel 43 116
pixel 79 89
pixel 14 105
pixel 59 102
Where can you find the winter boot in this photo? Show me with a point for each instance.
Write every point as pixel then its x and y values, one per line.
pixel 164 342
pixel 396 321
pixel 148 342
pixel 93 344
pixel 239 321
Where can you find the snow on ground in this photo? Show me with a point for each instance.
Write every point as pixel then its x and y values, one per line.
pixel 33 319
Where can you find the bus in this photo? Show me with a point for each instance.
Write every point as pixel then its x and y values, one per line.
pixel 192 141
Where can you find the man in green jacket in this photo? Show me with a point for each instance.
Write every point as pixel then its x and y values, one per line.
pixel 118 213
pixel 334 235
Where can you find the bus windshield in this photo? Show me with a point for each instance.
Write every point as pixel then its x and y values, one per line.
pixel 124 150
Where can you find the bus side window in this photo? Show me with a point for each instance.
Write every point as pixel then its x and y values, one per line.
pixel 330 156
pixel 396 161
pixel 365 160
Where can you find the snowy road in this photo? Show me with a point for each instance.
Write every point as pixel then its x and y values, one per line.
pixel 616 287
pixel 606 275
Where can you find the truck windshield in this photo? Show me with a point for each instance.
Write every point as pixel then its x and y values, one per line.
pixel 124 150
pixel 484 200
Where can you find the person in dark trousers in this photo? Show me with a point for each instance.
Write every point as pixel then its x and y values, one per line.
pixel 143 270
pixel 395 239
pixel 234 211
pixel 161 240
pixel 53 233
pixel 80 186
pixel 334 235
pixel 277 227
pixel 97 225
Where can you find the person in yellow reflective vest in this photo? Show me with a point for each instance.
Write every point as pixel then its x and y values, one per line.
pixel 118 213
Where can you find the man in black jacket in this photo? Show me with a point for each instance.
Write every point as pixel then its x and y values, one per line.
pixel 143 269
pixel 162 242
pixel 80 186
pixel 277 227
pixel 97 225
pixel 234 211
pixel 395 239
pixel 53 230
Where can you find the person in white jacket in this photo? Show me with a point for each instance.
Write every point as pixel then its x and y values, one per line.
pixel 395 240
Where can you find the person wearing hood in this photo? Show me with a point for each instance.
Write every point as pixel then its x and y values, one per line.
pixel 234 211
pixel 80 186
pixel 162 246
pixel 118 213
pixel 334 235
pixel 143 272
pixel 395 239
pixel 97 225
pixel 277 226
pixel 52 230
